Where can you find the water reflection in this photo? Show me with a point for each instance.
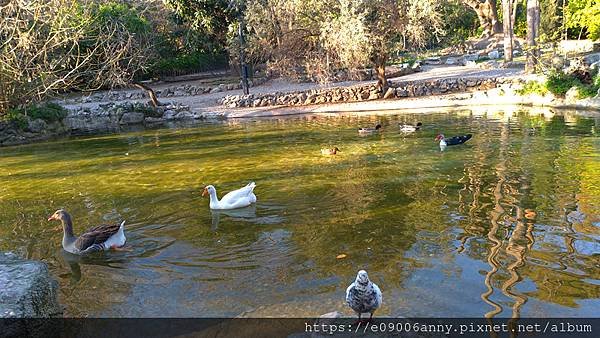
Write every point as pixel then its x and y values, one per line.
pixel 247 214
pixel 506 226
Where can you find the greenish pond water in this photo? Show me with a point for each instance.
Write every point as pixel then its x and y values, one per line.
pixel 443 234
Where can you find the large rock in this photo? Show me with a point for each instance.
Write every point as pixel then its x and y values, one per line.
pixel 37 125
pixel 572 94
pixel 132 118
pixel 590 59
pixel 26 289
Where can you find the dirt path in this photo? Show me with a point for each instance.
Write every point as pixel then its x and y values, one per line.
pixel 209 102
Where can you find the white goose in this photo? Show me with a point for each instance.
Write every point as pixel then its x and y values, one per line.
pixel 234 199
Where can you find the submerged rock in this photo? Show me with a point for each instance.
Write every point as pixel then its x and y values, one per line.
pixel 26 289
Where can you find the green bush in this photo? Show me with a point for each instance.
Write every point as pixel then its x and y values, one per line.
pixel 123 13
pixel 188 62
pixel 533 87
pixel 559 83
pixel 49 112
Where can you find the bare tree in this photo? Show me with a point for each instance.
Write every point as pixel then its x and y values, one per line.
pixel 50 46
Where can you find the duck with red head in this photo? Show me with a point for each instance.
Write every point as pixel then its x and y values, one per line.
pixel 99 238
pixel 452 141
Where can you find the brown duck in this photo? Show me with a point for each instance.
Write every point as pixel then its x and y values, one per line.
pixel 99 238
pixel 330 151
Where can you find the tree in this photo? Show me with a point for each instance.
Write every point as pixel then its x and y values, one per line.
pixel 386 22
pixel 50 46
pixel 508 29
pixel 211 18
pixel 533 27
pixel 487 14
pixel 583 18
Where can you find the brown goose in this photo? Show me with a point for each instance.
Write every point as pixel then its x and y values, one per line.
pixel 99 238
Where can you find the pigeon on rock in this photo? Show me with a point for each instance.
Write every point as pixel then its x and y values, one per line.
pixel 363 296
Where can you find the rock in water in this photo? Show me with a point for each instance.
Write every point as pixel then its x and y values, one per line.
pixel 26 289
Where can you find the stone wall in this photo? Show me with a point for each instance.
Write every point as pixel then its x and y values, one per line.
pixel 171 91
pixel 101 118
pixel 365 92
pixel 36 130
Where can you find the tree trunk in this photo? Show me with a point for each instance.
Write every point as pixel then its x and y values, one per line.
pixel 487 14
pixel 508 30
pixel 149 92
pixel 533 26
pixel 379 61
pixel 493 15
pixel 513 14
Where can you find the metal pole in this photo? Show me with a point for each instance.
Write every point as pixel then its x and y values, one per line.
pixel 244 67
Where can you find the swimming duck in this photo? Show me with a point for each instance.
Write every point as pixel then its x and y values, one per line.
pixel 369 130
pixel 330 151
pixel 409 128
pixel 452 140
pixel 240 198
pixel 99 238
pixel 363 296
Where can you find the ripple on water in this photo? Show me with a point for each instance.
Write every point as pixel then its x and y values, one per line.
pixel 441 233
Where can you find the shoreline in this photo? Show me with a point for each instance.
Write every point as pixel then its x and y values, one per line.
pixel 419 104
pixel 423 97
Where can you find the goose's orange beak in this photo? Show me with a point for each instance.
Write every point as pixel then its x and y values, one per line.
pixel 204 192
pixel 51 218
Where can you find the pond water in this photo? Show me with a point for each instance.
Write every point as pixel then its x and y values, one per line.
pixel 505 225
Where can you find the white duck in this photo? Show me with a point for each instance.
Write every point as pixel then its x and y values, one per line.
pixel 235 199
pixel 409 128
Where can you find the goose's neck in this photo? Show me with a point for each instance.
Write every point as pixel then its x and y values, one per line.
pixel 213 197
pixel 68 236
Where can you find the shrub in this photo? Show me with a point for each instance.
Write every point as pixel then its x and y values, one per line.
pixel 49 112
pixel 559 83
pixel 533 87
pixel 126 15
pixel 189 62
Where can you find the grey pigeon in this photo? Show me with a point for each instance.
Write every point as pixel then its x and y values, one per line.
pixel 363 296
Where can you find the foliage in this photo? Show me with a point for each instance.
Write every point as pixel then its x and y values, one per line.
pixel 459 23
pixel 533 87
pixel 187 62
pixel 208 21
pixel 131 20
pixel 550 20
pixel 558 83
pixel 49 112
pixel 346 37
pixel 321 38
pixel 57 45
pixel 583 16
